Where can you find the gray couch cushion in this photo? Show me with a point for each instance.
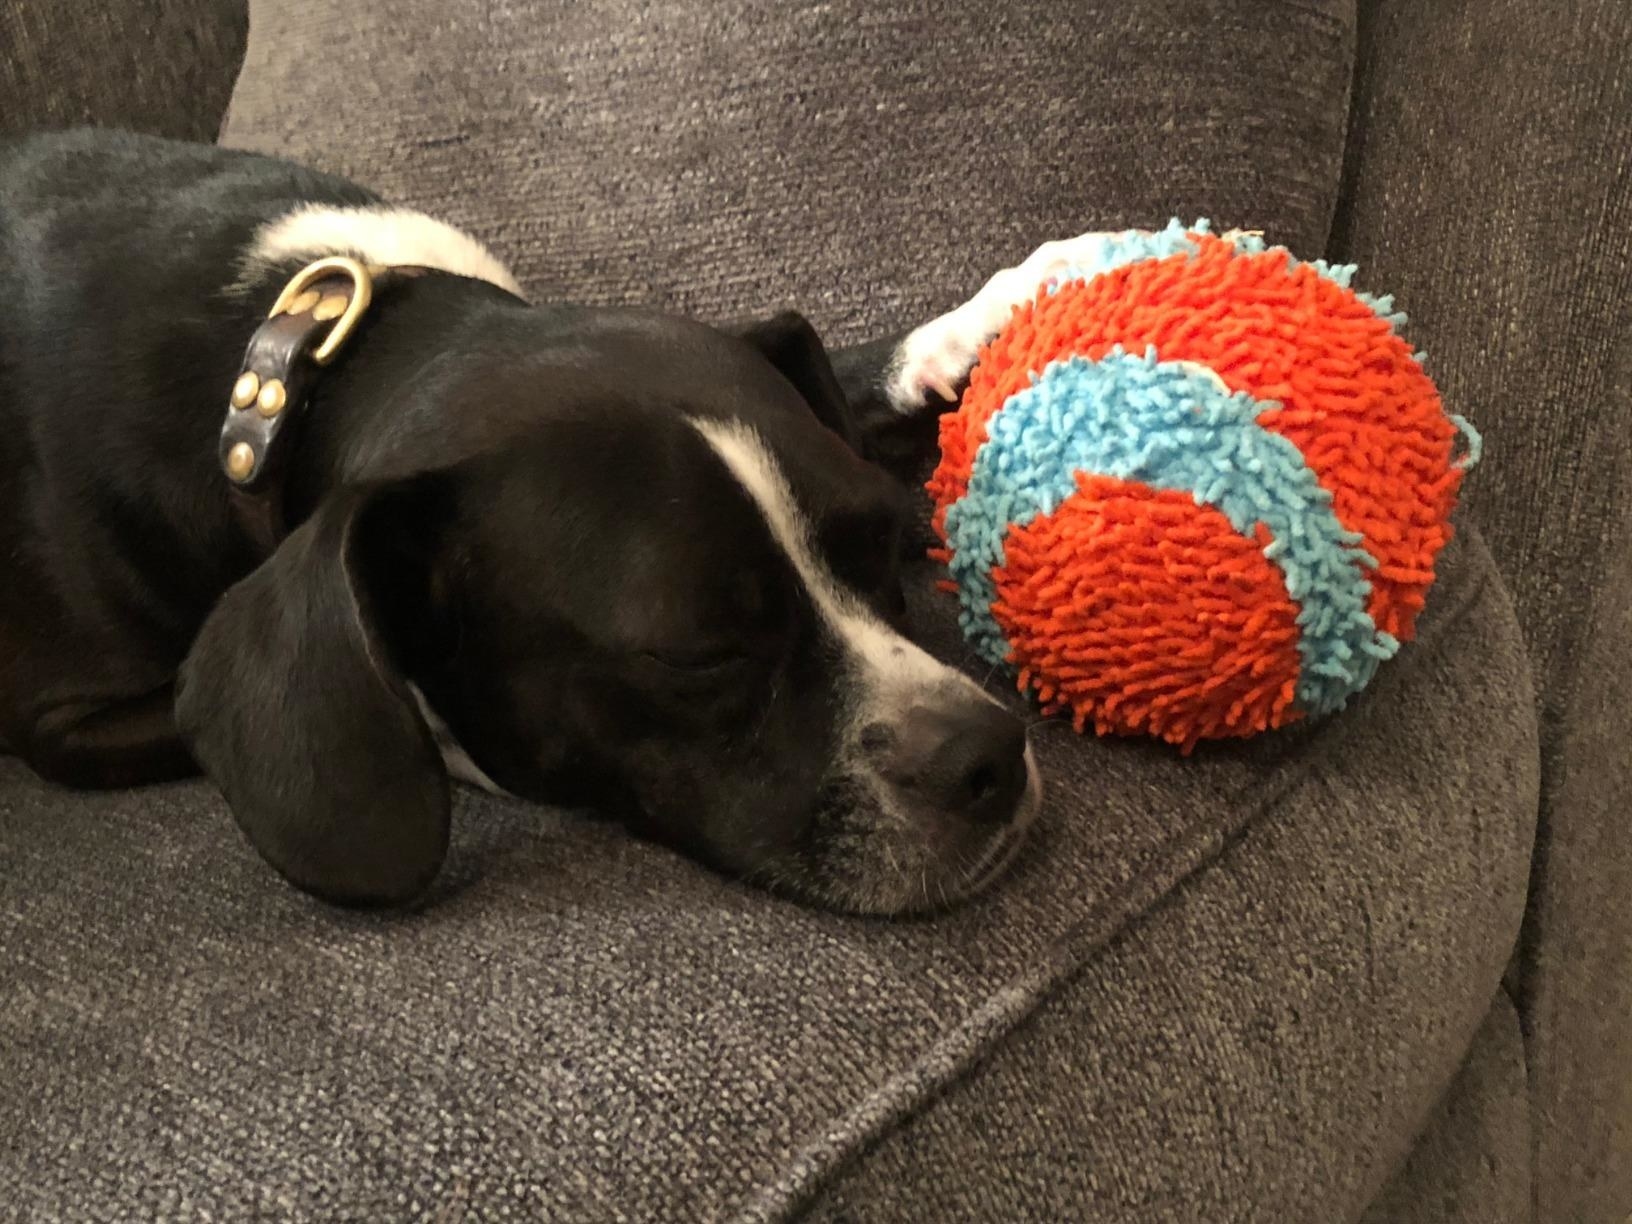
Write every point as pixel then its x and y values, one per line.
pixel 1197 959
pixel 1249 973
pixel 1503 216
pixel 1473 1163
pixel 164 68
pixel 867 163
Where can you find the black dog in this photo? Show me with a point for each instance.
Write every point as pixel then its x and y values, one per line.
pixel 586 556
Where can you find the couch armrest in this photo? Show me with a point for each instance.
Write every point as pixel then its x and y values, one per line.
pixel 1501 217
pixel 161 66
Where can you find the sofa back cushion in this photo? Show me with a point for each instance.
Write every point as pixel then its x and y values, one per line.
pixel 866 163
pixel 166 69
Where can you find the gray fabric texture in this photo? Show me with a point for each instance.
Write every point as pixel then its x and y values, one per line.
pixel 161 67
pixel 583 1027
pixel 870 164
pixel 1472 1164
pixel 1264 1043
pixel 1230 987
pixel 1503 218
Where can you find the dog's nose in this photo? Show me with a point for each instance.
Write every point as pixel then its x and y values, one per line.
pixel 967 760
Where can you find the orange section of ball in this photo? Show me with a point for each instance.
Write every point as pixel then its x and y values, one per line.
pixel 1139 611
pixel 1368 420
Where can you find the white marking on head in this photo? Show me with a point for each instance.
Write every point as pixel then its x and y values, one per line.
pixel 892 671
pixel 893 863
pixel 454 757
pixel 376 234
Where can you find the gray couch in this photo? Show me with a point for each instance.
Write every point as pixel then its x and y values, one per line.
pixel 1378 969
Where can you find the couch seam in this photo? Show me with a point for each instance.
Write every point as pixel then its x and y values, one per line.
pixel 1533 1169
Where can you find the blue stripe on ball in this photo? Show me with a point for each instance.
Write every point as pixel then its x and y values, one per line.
pixel 1169 425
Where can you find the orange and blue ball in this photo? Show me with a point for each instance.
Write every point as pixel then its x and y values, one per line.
pixel 1196 488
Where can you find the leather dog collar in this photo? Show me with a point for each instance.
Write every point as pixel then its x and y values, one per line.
pixel 308 325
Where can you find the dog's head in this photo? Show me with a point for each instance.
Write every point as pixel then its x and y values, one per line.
pixel 634 564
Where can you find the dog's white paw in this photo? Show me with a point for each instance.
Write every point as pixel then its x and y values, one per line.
pixel 934 361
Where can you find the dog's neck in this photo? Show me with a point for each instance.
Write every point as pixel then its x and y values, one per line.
pixel 378 235
pixel 362 420
pixel 402 320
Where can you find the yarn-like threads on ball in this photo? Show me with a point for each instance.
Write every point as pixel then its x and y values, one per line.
pixel 1137 601
pixel 1232 377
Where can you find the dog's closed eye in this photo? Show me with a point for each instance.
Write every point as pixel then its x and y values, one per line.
pixel 704 661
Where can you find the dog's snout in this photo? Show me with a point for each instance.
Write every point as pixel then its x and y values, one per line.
pixel 968 760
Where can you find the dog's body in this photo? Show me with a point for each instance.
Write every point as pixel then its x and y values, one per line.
pixel 628 560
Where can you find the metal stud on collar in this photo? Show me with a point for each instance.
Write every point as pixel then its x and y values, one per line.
pixel 271 395
pixel 313 316
pixel 296 298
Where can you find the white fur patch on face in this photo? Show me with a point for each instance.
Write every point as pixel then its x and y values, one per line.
pixel 891 671
pixel 377 234
pixel 894 862
pixel 454 757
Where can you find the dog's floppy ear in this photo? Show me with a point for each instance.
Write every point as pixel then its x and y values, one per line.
pixel 791 344
pixel 291 703
pixel 845 390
